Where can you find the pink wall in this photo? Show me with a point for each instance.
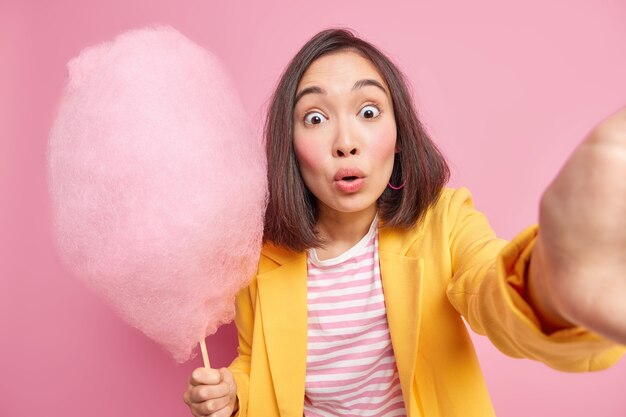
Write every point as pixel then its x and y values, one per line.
pixel 506 91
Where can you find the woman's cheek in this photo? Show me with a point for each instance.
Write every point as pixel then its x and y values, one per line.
pixel 307 153
pixel 384 144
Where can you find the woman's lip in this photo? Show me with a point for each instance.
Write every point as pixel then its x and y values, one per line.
pixel 349 186
pixel 348 172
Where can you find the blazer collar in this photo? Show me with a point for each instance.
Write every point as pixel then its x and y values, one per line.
pixel 283 303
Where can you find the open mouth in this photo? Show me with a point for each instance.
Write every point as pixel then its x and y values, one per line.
pixel 349 175
pixel 349 180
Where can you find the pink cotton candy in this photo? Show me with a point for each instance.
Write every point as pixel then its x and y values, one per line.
pixel 158 184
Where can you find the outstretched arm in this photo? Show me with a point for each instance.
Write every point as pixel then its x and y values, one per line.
pixel 578 266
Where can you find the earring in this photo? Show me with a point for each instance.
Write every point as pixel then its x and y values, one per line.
pixel 396 188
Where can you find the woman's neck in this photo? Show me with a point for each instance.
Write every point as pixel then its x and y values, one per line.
pixel 342 230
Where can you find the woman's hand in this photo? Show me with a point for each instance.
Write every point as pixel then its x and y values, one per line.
pixel 578 267
pixel 211 392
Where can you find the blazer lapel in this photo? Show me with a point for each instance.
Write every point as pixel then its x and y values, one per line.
pixel 402 286
pixel 283 302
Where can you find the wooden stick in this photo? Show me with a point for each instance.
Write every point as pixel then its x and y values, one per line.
pixel 205 354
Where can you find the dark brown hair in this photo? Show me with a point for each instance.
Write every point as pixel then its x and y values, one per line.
pixel 292 209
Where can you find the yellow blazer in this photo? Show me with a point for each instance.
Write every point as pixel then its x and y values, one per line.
pixel 449 266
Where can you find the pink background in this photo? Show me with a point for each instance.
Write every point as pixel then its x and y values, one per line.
pixel 507 91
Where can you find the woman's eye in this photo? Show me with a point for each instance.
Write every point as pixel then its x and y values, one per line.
pixel 314 118
pixel 369 112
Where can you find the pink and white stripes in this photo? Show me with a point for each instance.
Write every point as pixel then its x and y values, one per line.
pixel 351 368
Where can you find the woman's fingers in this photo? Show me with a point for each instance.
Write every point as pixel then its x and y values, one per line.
pixel 211 392
pixel 229 380
pixel 212 407
pixel 202 393
pixel 205 376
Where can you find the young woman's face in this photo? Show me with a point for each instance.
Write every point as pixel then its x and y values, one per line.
pixel 344 132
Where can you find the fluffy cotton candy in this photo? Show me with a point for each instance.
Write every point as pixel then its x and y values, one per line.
pixel 158 184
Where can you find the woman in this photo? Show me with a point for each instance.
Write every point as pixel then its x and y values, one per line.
pixel 369 262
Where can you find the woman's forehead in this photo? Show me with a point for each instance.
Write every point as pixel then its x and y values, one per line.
pixel 339 69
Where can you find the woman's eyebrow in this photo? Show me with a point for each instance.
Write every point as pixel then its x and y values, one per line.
pixel 366 82
pixel 357 85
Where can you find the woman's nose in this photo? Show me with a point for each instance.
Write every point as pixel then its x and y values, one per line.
pixel 345 143
pixel 341 152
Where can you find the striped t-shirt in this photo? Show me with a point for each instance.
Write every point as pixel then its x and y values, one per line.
pixel 351 369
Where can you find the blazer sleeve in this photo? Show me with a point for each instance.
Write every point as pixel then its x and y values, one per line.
pixel 487 287
pixel 240 367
